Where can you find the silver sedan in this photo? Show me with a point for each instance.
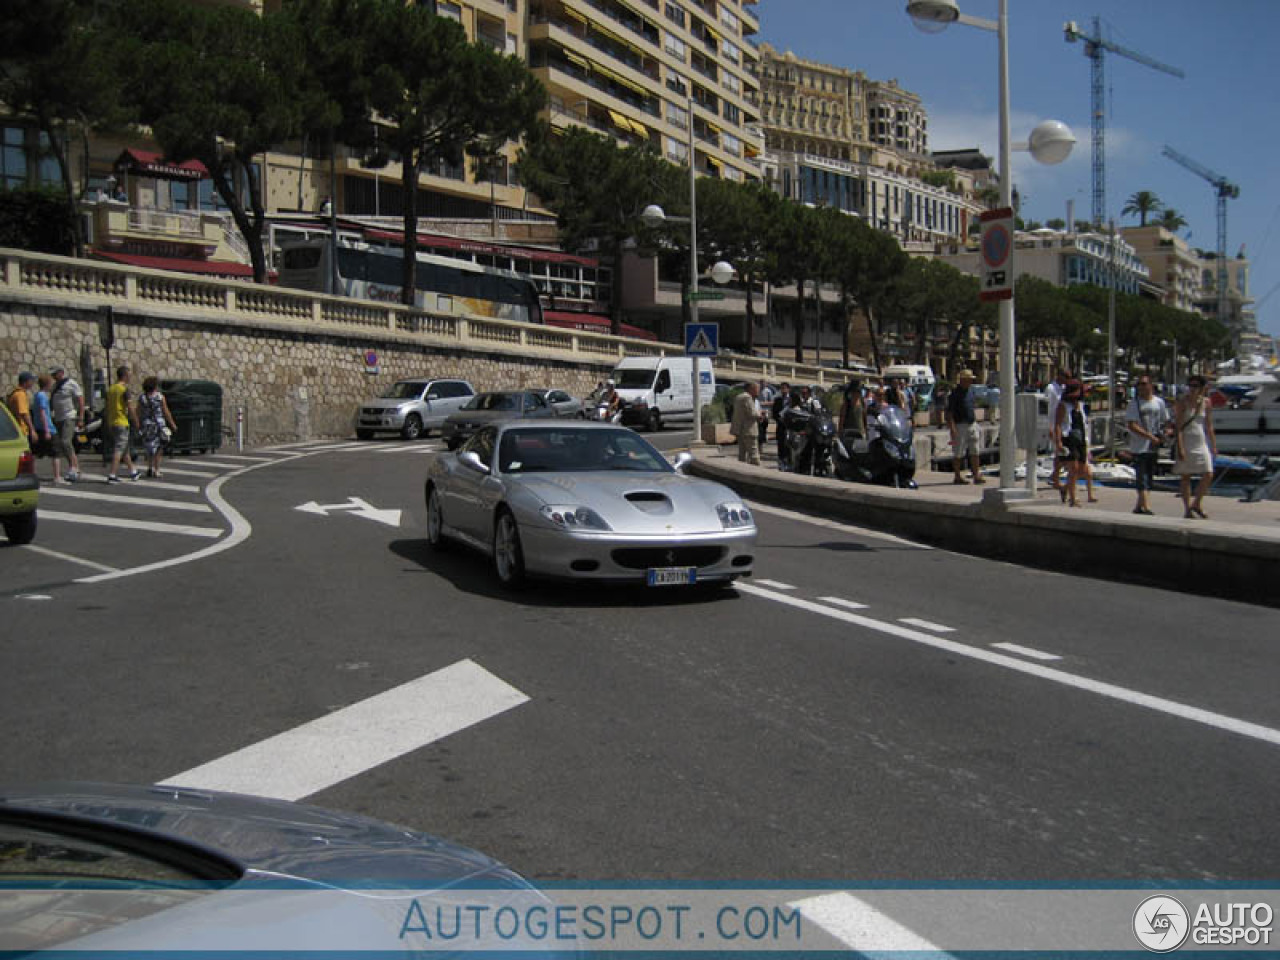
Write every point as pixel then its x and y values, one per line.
pixel 586 500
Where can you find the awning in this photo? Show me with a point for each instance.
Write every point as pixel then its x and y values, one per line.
pixel 151 164
pixel 619 120
pixel 476 246
pixel 217 268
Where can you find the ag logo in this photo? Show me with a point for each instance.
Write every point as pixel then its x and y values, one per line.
pixel 1161 923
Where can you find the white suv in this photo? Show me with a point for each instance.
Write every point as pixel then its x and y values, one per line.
pixel 412 408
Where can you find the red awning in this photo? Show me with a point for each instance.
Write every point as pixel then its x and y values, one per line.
pixel 478 246
pixel 154 165
pixel 591 321
pixel 217 268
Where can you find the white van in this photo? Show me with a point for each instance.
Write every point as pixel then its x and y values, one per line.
pixel 659 390
pixel 919 378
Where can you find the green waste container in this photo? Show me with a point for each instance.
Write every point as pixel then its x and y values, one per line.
pixel 196 406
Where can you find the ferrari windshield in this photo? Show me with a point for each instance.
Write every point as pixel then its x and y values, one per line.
pixel 577 450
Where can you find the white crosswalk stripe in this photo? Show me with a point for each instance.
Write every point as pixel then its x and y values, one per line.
pixel 152 526
pixel 126 498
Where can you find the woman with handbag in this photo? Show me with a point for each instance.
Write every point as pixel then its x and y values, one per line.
pixel 155 424
pixel 1196 446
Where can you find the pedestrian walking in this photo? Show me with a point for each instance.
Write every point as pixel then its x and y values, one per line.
pixel 746 424
pixel 853 412
pixel 67 400
pixel 1070 435
pixel 963 424
pixel 780 403
pixel 42 417
pixel 1054 392
pixel 765 402
pixel 1196 446
pixel 19 403
pixel 155 424
pixel 119 416
pixel 1146 417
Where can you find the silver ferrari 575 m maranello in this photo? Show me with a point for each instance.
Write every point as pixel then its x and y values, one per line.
pixel 586 500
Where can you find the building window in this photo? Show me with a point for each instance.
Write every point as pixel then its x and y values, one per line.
pixel 730 51
pixel 732 113
pixel 447 8
pixel 675 46
pixel 677 116
pixel 674 13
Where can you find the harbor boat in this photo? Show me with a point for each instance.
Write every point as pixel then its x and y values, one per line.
pixel 1249 424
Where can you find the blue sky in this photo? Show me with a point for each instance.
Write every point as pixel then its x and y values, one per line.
pixel 1224 114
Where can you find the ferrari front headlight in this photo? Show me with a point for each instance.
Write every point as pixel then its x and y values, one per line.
pixel 735 516
pixel 572 517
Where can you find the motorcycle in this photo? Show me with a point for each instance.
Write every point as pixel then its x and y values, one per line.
pixel 599 411
pixel 810 439
pixel 886 457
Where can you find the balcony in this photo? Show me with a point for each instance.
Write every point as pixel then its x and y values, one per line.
pixel 200 233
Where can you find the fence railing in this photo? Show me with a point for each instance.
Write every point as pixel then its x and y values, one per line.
pixel 39 277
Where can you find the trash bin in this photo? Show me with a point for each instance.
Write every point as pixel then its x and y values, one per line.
pixel 196 406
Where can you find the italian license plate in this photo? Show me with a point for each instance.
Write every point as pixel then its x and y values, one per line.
pixel 672 576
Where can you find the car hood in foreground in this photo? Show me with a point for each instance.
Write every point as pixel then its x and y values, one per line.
pixel 296 840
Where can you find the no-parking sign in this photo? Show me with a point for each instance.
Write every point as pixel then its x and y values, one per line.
pixel 997 255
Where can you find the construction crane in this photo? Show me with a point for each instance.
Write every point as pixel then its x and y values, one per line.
pixel 1225 191
pixel 1094 46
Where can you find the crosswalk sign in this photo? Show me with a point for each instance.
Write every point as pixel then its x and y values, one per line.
pixel 701 339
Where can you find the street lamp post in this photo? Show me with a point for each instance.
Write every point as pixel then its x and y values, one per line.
pixel 654 216
pixel 1050 143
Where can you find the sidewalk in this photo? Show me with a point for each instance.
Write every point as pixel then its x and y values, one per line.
pixel 1235 553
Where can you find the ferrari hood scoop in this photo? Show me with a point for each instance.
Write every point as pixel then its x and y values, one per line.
pixel 650 501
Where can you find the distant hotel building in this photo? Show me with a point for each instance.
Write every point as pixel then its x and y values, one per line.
pixel 835 138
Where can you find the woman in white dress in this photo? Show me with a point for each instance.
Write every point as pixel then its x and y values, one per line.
pixel 1196 446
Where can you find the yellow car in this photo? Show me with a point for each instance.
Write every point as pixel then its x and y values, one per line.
pixel 19 486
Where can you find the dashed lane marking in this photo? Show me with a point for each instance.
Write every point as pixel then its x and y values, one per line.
pixel 347 742
pixel 126 498
pixel 842 602
pixel 1136 698
pixel 237 456
pixel 219 464
pixel 1026 651
pixel 152 526
pixel 775 584
pixel 927 625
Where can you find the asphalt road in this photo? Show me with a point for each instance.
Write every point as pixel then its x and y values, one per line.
pixel 853 713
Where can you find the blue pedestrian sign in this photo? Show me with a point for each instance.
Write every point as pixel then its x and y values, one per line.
pixel 701 339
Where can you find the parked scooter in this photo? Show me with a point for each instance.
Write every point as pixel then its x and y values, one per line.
pixel 810 438
pixel 887 456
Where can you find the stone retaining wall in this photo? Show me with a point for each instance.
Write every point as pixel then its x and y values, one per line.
pixel 291 385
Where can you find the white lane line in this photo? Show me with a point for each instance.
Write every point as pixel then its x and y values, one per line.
pixel 926 625
pixel 860 926
pixel 126 498
pixel 328 447
pixel 775 584
pixel 175 487
pixel 237 456
pixel 45 551
pixel 340 745
pixel 842 602
pixel 218 464
pixel 1183 711
pixel 426 448
pixel 151 526
pixel 1026 651
pixel 184 472
pixel 835 525
pixel 287 446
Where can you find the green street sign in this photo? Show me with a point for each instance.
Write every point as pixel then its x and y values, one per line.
pixel 705 295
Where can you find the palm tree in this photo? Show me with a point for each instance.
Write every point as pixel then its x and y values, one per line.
pixel 1142 204
pixel 1171 220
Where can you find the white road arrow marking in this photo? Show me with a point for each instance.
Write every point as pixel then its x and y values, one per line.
pixel 355 506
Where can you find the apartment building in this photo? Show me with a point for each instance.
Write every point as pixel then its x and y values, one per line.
pixel 896 118
pixel 835 138
pixel 1066 259
pixel 647 71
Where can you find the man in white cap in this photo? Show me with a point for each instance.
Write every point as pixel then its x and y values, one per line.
pixel 67 401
